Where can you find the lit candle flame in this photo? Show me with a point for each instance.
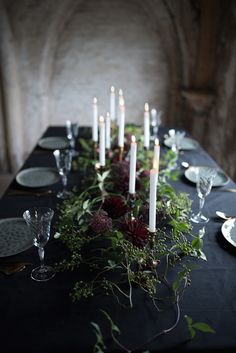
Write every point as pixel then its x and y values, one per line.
pixel 157 142
pixel 95 100
pixel 133 139
pixel 101 119
pixel 108 115
pixel 112 89
pixel 146 107
pixel 120 92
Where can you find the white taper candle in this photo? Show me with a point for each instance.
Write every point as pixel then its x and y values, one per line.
pixel 132 167
pixel 152 200
pixel 95 120
pixel 112 104
pixel 102 158
pixel 146 126
pixel 121 124
pixel 121 99
pixel 156 159
pixel 108 131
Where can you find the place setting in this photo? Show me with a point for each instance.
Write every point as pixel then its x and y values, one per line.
pixel 177 140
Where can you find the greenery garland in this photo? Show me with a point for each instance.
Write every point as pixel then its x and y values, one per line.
pixel 107 231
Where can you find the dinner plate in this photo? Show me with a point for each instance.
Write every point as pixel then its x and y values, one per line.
pixel 219 180
pixel 15 236
pixel 53 143
pixel 37 177
pixel 186 144
pixel 228 230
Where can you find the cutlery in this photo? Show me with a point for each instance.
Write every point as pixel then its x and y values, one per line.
pixel 223 215
pixel 185 165
pixel 9 268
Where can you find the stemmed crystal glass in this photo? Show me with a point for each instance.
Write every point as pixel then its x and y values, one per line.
pixel 63 160
pixel 204 182
pixel 176 138
pixel 72 130
pixel 39 220
pixel 155 122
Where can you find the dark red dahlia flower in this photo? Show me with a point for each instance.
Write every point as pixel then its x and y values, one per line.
pixel 136 232
pixel 115 206
pixel 100 222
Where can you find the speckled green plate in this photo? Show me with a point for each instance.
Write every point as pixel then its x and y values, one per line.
pixel 15 236
pixel 228 230
pixel 53 143
pixel 37 177
pixel 186 144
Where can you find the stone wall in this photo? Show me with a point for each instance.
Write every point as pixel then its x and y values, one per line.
pixel 177 55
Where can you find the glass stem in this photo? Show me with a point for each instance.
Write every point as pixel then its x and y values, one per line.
pixel 64 181
pixel 201 204
pixel 41 256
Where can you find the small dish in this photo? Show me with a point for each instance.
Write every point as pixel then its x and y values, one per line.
pixel 186 144
pixel 37 177
pixel 220 179
pixel 228 230
pixel 53 143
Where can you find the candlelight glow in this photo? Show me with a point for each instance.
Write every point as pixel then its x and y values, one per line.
pixel 120 92
pixel 95 100
pixel 101 119
pixel 112 89
pixel 122 101
pixel 157 142
pixel 108 115
pixel 146 107
pixel 133 139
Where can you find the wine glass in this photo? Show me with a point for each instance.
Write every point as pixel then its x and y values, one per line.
pixel 63 160
pixel 204 182
pixel 72 130
pixel 155 122
pixel 39 220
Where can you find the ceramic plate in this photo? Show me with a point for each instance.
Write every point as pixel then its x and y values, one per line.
pixel 15 236
pixel 229 231
pixel 219 180
pixel 187 144
pixel 53 143
pixel 37 177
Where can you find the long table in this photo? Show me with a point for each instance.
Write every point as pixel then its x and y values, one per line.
pixel 41 317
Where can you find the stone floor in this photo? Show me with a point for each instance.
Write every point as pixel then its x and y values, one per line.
pixel 5 180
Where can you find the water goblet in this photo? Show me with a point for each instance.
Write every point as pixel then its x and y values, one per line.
pixel 72 130
pixel 204 182
pixel 63 160
pixel 39 220
pixel 176 138
pixel 155 122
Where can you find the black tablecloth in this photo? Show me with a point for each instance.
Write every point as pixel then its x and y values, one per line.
pixel 41 317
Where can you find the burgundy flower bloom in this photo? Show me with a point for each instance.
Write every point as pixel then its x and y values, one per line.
pixel 100 222
pixel 115 206
pixel 120 169
pixel 145 174
pixel 136 232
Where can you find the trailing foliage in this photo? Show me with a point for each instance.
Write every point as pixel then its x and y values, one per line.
pixel 106 232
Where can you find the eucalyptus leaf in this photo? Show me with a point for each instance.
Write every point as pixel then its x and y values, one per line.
pixel 85 204
pixel 203 327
